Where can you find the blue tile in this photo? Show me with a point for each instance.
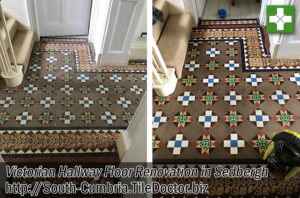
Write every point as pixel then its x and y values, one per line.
pixel 210 80
pixel 178 144
pixel 232 97
pixel 233 143
pixel 253 80
pixel 186 98
pixel 259 118
pixel 156 119
pixel 280 97
pixel 207 118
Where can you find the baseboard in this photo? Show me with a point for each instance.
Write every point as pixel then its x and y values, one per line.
pixel 138 52
pixel 274 46
pixel 99 63
pixel 122 144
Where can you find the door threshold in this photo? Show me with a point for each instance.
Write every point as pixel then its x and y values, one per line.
pixel 69 36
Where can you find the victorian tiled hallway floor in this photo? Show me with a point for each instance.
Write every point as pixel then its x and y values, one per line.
pixel 61 108
pixel 231 99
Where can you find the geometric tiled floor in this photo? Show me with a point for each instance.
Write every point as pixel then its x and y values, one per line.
pixel 54 95
pixel 59 110
pixel 220 112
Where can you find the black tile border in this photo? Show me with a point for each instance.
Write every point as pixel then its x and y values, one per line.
pixel 248 19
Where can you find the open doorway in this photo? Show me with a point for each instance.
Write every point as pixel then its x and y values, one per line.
pixel 235 9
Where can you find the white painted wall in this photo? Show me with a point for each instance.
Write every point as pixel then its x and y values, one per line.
pixel 200 7
pixel 290 43
pixel 275 39
pixel 100 9
pixel 17 8
pixel 190 7
pixel 180 2
pixel 142 27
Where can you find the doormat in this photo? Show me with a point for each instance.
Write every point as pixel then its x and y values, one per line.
pixel 220 114
pixel 85 56
pixel 57 111
pixel 273 186
pixel 256 55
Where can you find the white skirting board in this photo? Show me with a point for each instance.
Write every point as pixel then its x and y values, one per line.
pixel 135 136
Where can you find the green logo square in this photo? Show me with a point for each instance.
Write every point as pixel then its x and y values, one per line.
pixel 280 19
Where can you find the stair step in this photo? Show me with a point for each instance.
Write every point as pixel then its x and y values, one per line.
pixel 12 26
pixel 23 43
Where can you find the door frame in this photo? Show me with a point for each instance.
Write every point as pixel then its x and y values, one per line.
pixel 275 39
pixel 119 55
pixel 34 23
pixel 31 8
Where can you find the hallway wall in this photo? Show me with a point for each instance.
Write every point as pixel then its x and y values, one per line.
pixel 17 8
pixel 139 45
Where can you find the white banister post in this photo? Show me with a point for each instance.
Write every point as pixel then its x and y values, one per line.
pixel 4 61
pixel 164 79
pixel 158 59
pixel 157 77
pixel 12 74
pixel 10 47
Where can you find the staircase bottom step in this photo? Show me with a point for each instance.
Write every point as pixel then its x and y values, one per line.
pixel 23 42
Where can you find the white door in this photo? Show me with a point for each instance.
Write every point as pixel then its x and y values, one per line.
pixel 123 19
pixel 290 43
pixel 63 17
